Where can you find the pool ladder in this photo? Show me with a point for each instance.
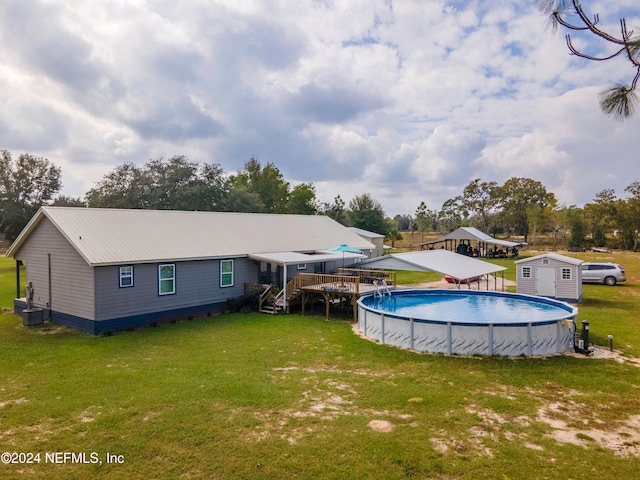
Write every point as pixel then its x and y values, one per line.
pixel 381 289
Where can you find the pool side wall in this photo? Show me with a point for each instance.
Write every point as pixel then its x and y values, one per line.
pixel 458 338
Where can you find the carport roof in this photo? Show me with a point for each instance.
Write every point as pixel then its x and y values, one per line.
pixel 470 233
pixel 441 261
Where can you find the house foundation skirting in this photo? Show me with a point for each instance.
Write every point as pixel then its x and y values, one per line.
pixel 97 327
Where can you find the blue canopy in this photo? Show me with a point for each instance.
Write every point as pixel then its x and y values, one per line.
pixel 343 247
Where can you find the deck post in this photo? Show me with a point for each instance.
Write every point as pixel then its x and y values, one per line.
pixel 326 302
pixel 354 299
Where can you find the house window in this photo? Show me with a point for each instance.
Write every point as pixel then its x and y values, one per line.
pixel 545 261
pixel 302 266
pixel 126 277
pixel 566 274
pixel 526 272
pixel 226 273
pixel 166 279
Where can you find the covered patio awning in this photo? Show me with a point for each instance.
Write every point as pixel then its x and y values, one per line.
pixel 297 258
pixel 459 267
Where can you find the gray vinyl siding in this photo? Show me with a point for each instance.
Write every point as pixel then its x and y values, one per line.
pixel 71 277
pixel 196 283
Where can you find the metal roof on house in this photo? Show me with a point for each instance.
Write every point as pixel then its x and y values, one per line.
pixel 441 261
pixel 553 256
pixel 104 236
pixel 365 233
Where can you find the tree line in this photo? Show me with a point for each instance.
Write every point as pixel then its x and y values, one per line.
pixel 520 207
pixel 29 182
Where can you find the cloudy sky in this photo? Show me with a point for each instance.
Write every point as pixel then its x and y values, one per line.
pixel 407 100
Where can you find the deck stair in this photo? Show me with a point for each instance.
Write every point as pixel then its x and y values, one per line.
pixel 267 302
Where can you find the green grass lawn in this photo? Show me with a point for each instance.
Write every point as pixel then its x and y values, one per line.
pixel 291 397
pixel 8 282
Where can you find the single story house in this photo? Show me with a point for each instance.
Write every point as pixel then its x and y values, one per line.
pixel 550 275
pixel 108 269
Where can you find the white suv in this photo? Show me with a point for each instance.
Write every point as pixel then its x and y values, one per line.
pixel 607 273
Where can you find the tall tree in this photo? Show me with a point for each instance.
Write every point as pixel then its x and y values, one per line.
pixel 25 185
pixel 452 215
pixel 403 223
pixel 518 199
pixel 367 213
pixel 393 234
pixel 577 229
pixel 337 210
pixel 634 205
pixel 174 184
pixel 119 188
pixel 619 100
pixel 65 201
pixel 422 219
pixel 267 183
pixel 601 215
pixel 302 200
pixel 479 198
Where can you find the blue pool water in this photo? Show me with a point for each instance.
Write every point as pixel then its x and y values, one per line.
pixel 470 307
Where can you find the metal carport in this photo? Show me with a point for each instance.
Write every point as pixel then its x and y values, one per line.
pixel 451 264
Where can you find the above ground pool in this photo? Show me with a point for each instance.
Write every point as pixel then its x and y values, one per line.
pixel 468 322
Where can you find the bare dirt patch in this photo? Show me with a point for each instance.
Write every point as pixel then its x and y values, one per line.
pixel 323 401
pixel 565 425
pixel 380 426
pixel 17 401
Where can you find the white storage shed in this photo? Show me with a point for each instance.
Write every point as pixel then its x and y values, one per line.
pixel 550 275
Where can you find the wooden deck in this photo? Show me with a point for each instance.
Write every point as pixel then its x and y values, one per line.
pixel 349 285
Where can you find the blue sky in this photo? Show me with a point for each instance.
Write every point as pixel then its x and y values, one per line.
pixel 405 100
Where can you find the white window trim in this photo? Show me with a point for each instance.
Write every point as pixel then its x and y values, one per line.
pixel 302 266
pixel 526 272
pixel 231 273
pixel 160 279
pixel 121 276
pixel 567 271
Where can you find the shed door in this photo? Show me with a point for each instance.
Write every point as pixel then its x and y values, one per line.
pixel 546 282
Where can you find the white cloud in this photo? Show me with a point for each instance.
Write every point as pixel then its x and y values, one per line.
pixel 405 100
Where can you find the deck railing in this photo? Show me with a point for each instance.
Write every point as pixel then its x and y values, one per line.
pixel 309 280
pixel 370 276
